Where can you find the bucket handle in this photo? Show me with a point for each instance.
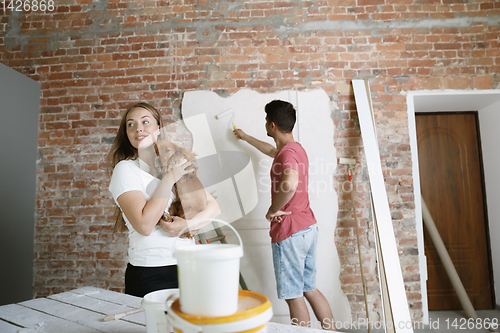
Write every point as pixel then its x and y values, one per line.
pixel 211 220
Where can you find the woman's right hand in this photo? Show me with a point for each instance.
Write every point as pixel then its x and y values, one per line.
pixel 180 169
pixel 238 132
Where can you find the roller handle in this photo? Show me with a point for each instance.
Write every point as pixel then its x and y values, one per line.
pixel 116 316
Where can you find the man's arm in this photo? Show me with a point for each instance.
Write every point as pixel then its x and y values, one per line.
pixel 286 190
pixel 262 146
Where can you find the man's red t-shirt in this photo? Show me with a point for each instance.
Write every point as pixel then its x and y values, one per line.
pixel 292 156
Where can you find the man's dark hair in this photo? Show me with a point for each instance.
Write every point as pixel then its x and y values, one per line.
pixel 282 114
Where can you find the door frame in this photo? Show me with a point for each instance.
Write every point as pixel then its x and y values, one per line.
pixel 445 101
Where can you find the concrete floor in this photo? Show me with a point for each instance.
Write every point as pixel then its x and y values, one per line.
pixel 455 321
pixel 451 321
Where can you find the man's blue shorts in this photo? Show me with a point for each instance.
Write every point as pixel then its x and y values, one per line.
pixel 294 262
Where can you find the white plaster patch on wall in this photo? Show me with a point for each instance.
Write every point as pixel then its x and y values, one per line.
pixel 315 131
pixel 204 146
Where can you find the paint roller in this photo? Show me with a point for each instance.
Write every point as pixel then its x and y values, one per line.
pixel 348 161
pixel 225 113
pixel 351 162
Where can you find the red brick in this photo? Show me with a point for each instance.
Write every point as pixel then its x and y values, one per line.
pixel 113 71
pixel 457 82
pixel 483 82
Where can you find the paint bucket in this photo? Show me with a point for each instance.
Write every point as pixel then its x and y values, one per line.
pixel 253 313
pixel 209 277
pixel 155 304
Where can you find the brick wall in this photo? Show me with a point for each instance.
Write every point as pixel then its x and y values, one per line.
pixel 95 58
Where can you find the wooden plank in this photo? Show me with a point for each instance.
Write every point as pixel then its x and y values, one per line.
pixel 386 303
pixel 81 316
pixel 50 314
pixel 90 303
pixel 109 296
pixel 37 321
pixel 92 299
pixel 6 327
pixel 393 274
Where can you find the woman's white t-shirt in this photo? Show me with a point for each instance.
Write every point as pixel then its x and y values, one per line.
pixel 155 249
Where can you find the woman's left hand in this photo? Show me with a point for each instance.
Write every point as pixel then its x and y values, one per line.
pixel 174 227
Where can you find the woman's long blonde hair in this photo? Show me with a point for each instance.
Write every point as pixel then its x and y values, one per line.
pixel 122 149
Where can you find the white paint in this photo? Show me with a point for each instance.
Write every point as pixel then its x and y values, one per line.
pixel 205 145
pixel 248 201
pixel 487 103
pixel 26 317
pixel 394 277
pixel 225 194
pixel 315 132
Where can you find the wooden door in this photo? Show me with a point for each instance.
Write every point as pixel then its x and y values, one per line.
pixel 452 186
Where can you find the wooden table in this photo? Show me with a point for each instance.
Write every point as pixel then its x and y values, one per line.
pixel 82 310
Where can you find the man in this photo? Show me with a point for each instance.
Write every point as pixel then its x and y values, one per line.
pixel 294 231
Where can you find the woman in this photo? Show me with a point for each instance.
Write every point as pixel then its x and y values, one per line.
pixel 142 200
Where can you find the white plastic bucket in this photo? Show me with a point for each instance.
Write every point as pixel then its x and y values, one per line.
pixel 209 277
pixel 253 314
pixel 155 304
